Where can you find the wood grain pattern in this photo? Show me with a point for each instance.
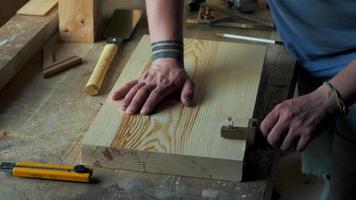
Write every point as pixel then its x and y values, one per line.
pixel 80 20
pixel 181 140
pixel 38 7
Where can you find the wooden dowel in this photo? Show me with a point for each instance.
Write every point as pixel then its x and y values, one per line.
pixel 60 66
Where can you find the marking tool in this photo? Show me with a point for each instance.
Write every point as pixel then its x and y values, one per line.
pixel 247 38
pixel 77 173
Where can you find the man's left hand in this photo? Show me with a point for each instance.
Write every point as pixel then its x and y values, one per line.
pixel 292 124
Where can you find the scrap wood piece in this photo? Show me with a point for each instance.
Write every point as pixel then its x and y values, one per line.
pixel 51 66
pixel 38 7
pixel 79 20
pixel 61 65
pixel 182 140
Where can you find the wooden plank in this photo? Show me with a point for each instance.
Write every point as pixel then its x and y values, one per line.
pixel 180 140
pixel 80 20
pixel 54 134
pixel 42 126
pixel 38 7
pixel 278 83
pixel 17 47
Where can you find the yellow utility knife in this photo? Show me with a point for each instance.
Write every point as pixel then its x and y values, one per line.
pixel 77 173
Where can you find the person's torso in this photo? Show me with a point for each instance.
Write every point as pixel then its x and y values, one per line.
pixel 320 33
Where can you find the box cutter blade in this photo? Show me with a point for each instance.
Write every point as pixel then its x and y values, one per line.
pixel 77 173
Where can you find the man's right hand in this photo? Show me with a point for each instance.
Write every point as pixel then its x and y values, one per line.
pixel 165 77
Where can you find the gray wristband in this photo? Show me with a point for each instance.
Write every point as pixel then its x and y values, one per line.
pixel 167 49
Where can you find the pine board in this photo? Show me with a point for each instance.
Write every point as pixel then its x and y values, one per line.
pixel 180 140
pixel 37 7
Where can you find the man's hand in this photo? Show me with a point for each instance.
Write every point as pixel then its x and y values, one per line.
pixel 292 124
pixel 163 78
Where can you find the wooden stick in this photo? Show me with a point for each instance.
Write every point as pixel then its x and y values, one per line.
pixel 60 66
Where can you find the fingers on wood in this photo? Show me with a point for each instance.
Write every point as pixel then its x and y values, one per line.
pixel 139 99
pixel 131 94
pixel 269 122
pixel 277 134
pixel 187 93
pixel 120 93
pixel 153 99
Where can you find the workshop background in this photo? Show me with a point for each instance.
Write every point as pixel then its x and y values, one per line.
pixel 290 183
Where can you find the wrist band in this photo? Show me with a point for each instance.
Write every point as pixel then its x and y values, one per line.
pixel 343 108
pixel 167 49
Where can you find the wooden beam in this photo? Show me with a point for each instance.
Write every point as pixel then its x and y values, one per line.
pixel 181 140
pixel 21 39
pixel 38 7
pixel 79 20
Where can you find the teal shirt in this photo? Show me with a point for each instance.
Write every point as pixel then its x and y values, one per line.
pixel 320 33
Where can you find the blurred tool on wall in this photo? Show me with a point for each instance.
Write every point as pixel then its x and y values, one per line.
pixel 245 6
pixel 219 16
pixel 194 5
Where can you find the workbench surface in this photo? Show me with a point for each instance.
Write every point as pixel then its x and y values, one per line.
pixel 45 120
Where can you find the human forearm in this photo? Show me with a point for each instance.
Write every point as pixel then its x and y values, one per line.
pixel 165 19
pixel 166 74
pixel 345 83
pixel 294 123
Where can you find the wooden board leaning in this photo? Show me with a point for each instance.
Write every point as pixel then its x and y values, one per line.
pixel 80 20
pixel 38 7
pixel 17 47
pixel 176 139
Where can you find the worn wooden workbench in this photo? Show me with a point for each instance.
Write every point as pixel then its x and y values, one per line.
pixel 45 119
